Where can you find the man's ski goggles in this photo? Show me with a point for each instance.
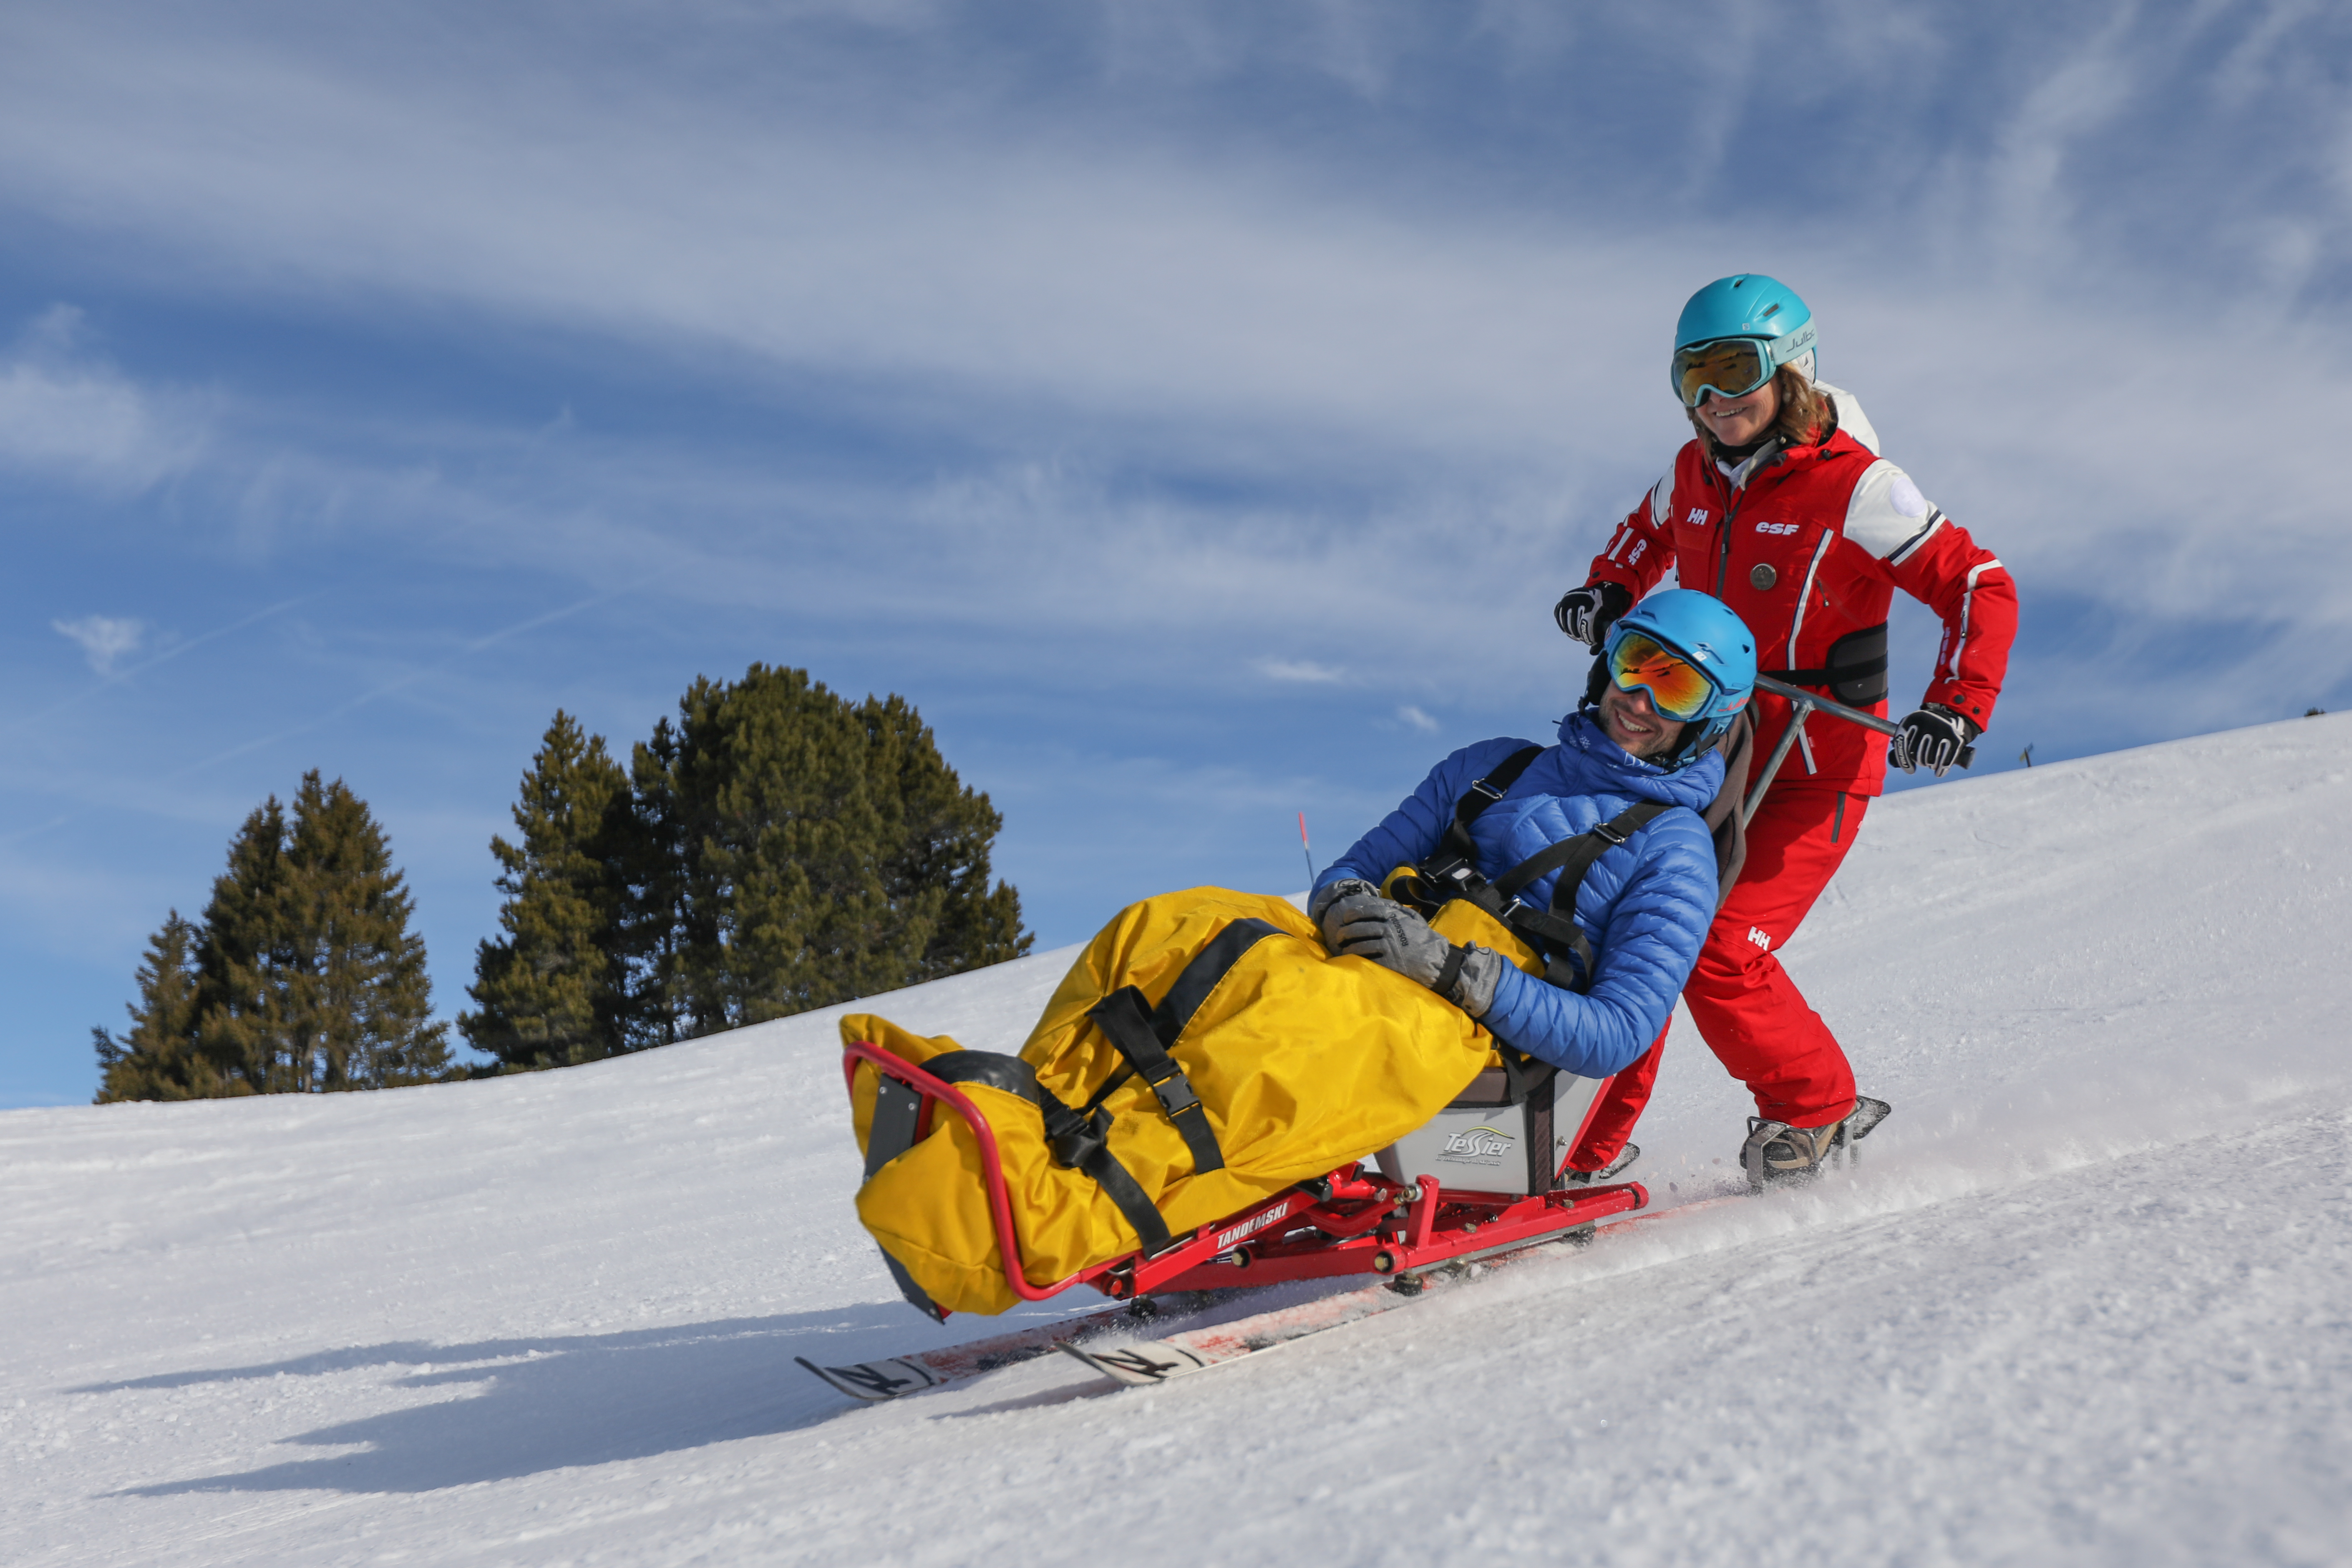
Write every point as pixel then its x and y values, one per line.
pixel 1678 688
pixel 1728 367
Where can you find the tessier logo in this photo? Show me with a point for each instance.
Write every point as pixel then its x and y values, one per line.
pixel 1478 1143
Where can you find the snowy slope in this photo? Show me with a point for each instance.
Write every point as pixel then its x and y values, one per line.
pixel 2088 1300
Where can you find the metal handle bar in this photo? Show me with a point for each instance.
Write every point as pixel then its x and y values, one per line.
pixel 1806 703
pixel 1829 705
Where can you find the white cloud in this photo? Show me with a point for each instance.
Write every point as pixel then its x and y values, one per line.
pixel 103 638
pixel 1095 277
pixel 1300 670
pixel 1417 719
pixel 62 410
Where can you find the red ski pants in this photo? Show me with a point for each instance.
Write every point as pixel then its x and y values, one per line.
pixel 1749 1011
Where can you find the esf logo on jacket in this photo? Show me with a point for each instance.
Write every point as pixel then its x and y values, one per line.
pixel 1775 528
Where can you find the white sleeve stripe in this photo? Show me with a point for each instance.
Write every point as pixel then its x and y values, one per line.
pixel 1967 600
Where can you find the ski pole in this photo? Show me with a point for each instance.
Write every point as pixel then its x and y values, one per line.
pixel 1805 704
pixel 1304 849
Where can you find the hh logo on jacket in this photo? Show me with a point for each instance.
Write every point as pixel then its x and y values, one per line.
pixel 1756 934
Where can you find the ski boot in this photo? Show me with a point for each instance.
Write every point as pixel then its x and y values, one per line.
pixel 1607 1172
pixel 1776 1152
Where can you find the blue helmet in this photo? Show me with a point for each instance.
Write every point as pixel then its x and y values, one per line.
pixel 1749 305
pixel 1713 639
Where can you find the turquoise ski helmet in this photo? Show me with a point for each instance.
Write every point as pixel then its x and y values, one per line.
pixel 1746 305
pixel 1709 637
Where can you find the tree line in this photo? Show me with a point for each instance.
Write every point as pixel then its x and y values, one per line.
pixel 777 848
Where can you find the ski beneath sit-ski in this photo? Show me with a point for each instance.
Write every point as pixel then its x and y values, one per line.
pixel 1144 1363
pixel 913 1372
pixel 1156 1361
pixel 897 1376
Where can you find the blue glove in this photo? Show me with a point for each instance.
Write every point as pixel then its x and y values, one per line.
pixel 1934 737
pixel 1586 614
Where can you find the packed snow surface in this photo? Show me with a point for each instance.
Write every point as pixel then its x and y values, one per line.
pixel 2087 1298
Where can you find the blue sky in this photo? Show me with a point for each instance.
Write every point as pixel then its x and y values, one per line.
pixel 1193 409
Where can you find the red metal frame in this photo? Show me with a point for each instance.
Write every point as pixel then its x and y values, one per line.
pixel 1350 1222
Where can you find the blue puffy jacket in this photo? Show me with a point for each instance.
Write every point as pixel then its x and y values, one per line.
pixel 1644 905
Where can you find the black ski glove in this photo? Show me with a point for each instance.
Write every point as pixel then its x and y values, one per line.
pixel 1934 737
pixel 1586 614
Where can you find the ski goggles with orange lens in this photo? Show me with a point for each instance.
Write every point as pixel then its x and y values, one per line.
pixel 1678 688
pixel 1728 367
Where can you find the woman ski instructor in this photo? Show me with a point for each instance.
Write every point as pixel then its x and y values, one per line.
pixel 1781 507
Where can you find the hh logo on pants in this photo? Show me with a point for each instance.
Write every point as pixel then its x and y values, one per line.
pixel 1756 934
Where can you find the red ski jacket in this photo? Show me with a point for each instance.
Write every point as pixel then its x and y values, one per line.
pixel 1808 544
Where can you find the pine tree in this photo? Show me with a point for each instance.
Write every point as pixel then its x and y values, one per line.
pixel 945 833
pixel 360 1000
pixel 311 979
pixel 551 991
pixel 157 1059
pixel 656 924
pixel 244 950
pixel 828 852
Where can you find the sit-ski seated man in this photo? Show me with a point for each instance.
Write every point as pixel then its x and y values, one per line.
pixel 1681 667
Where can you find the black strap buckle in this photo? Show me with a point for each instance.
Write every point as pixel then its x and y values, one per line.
pixel 1175 1095
pixel 1127 1022
pixel 1075 1138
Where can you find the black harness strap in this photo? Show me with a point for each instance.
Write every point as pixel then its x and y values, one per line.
pixel 1145 1038
pixel 1202 975
pixel 1123 1023
pixel 1574 857
pixel 1451 872
pixel 1458 853
pixel 1585 851
pixel 1083 1143
pixel 1078 1138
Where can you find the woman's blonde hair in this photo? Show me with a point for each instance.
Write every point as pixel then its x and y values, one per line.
pixel 1804 418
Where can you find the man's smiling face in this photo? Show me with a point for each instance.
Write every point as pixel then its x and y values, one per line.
pixel 1628 719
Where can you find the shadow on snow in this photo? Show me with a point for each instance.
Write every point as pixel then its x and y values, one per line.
pixel 548 1402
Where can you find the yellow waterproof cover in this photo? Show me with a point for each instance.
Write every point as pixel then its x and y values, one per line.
pixel 1302 1061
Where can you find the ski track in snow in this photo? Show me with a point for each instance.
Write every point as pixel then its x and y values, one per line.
pixel 2087 1296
